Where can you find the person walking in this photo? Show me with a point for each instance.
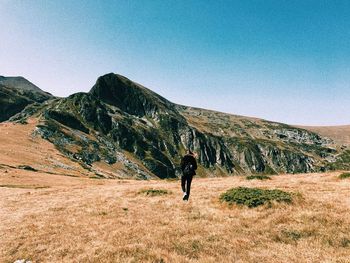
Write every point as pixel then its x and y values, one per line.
pixel 188 167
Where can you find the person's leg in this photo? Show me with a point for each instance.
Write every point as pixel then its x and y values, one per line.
pixel 183 183
pixel 188 188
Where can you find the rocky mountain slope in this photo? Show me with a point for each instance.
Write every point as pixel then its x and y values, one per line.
pixel 340 134
pixel 122 129
pixel 16 93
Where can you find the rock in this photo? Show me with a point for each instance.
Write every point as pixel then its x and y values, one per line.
pixel 23 261
pixel 27 167
pixel 66 119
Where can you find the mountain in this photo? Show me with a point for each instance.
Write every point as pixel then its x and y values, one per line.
pixel 16 93
pixel 122 129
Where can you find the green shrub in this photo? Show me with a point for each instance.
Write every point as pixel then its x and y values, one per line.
pixel 258 177
pixel 345 242
pixel 292 236
pixel 253 197
pixel 344 175
pixel 154 192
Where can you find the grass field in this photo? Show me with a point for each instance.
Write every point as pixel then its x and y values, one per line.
pixel 53 212
pixel 52 218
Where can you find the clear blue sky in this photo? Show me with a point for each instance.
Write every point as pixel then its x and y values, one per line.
pixel 287 61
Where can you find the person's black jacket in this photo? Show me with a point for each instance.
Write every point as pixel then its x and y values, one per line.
pixel 189 158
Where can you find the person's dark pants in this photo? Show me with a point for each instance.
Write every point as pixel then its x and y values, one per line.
pixel 186 181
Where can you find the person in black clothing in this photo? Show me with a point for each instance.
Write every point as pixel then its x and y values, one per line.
pixel 188 167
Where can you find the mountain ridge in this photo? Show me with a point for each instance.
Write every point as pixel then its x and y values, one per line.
pixel 20 82
pixel 143 135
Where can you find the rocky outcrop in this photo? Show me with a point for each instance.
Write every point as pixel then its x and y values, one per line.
pixel 129 97
pixel 11 102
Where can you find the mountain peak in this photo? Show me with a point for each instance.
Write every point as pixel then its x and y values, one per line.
pixel 129 96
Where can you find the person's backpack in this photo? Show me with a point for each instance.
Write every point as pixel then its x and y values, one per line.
pixel 188 169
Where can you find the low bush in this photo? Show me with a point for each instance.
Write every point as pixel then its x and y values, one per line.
pixel 291 236
pixel 253 197
pixel 258 177
pixel 154 192
pixel 344 175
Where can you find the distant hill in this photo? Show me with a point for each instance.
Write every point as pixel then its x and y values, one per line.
pixel 16 93
pixel 21 84
pixel 122 129
pixel 340 134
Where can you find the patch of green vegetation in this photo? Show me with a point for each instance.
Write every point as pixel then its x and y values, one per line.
pixel 249 124
pixel 23 121
pixel 102 213
pixel 313 149
pixel 344 175
pixel 24 186
pixel 293 236
pixel 253 197
pixel 345 242
pixel 154 192
pixel 96 177
pixel 258 177
pixel 296 235
pixel 338 242
pixel 342 162
pixel 190 248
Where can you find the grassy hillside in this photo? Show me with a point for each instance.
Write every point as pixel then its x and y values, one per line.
pixel 51 218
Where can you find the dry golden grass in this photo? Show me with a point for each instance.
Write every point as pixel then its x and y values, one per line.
pixel 18 146
pixel 91 220
pixel 47 216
